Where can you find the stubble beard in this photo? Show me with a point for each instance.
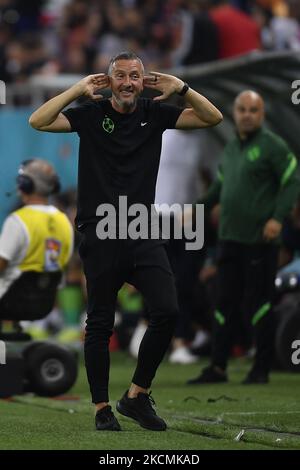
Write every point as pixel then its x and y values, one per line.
pixel 126 106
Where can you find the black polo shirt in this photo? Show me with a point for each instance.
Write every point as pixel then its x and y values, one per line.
pixel 119 154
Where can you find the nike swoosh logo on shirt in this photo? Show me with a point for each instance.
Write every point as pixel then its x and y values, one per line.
pixel 143 123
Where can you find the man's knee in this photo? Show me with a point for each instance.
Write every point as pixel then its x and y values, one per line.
pixel 100 326
pixel 165 321
pixel 168 306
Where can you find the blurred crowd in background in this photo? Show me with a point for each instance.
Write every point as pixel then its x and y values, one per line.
pixel 77 36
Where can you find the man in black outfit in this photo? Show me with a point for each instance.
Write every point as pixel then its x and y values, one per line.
pixel 120 144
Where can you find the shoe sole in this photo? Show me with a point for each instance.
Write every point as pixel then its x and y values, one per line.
pixel 123 411
pixel 115 427
pixel 108 429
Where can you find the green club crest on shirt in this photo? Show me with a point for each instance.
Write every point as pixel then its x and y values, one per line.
pixel 253 154
pixel 108 125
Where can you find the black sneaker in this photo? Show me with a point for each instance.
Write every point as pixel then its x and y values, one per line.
pixel 256 377
pixel 141 410
pixel 209 375
pixel 105 420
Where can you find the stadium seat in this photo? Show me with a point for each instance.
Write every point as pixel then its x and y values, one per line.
pixel 45 368
pixel 31 296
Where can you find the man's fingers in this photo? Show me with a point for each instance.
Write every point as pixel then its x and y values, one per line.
pixel 150 85
pixel 96 97
pixel 164 96
pixel 156 75
pixel 98 75
pixel 150 81
pixel 100 83
pixel 100 80
pixel 151 77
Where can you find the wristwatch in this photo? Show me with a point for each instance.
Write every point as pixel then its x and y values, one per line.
pixel 184 89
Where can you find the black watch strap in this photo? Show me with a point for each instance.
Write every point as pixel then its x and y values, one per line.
pixel 184 89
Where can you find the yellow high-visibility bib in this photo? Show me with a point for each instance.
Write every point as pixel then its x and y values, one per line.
pixel 50 239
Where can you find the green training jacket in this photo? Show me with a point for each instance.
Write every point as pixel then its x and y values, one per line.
pixel 256 181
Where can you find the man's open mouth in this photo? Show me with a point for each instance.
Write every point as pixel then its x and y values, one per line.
pixel 126 92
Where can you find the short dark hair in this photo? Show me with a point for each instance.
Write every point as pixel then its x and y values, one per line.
pixel 126 55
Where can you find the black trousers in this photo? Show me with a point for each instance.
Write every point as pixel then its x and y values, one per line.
pixel 186 266
pixel 246 275
pixel 107 265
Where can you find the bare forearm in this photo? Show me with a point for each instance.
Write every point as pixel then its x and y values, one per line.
pixel 48 112
pixel 203 108
pixel 202 112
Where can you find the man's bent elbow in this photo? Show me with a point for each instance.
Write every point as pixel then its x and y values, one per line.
pixel 217 118
pixel 34 122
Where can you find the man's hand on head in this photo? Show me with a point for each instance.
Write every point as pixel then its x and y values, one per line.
pixel 166 84
pixel 90 85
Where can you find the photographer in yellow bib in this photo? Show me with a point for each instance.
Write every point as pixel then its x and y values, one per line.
pixel 38 237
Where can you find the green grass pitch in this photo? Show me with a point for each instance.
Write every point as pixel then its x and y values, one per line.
pixel 198 417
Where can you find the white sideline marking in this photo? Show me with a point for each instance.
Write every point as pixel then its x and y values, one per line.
pixel 2 353
pixel 258 413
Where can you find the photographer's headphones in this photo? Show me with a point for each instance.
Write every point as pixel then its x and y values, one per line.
pixel 32 179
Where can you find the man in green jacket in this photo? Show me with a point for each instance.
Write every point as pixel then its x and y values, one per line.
pixel 256 187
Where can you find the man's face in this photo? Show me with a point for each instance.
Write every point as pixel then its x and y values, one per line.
pixel 126 82
pixel 248 113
